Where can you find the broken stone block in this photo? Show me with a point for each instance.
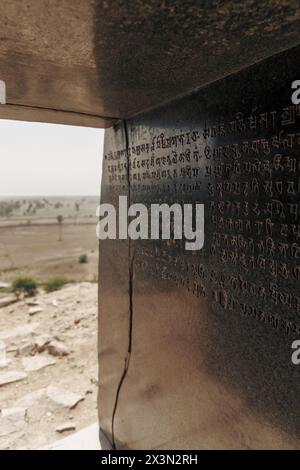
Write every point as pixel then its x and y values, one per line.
pixel 25 349
pixel 57 396
pixel 31 399
pixel 8 300
pixel 11 420
pixel 63 397
pixel 48 403
pixel 13 414
pixel 41 342
pixel 58 348
pixel 22 330
pixel 35 310
pixel 32 364
pixel 11 377
pixel 68 426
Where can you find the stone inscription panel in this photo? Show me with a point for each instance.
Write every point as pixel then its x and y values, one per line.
pixel 235 147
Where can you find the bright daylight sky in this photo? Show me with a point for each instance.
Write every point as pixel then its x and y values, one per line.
pixel 49 160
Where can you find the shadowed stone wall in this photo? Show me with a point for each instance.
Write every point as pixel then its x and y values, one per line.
pixel 195 347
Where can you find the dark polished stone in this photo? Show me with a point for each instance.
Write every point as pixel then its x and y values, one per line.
pixel 90 62
pixel 195 347
pixel 150 52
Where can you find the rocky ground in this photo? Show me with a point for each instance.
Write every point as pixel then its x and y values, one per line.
pixel 48 365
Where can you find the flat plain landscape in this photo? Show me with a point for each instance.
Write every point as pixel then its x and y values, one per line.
pixel 34 243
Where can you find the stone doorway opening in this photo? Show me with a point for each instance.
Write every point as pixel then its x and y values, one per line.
pixel 49 191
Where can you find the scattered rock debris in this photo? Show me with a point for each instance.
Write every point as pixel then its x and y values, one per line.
pixel 38 402
pixel 35 310
pixel 57 348
pixel 12 376
pixel 68 426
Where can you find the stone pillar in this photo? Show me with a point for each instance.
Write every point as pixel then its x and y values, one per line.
pixel 195 346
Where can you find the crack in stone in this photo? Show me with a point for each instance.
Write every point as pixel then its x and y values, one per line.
pixel 130 294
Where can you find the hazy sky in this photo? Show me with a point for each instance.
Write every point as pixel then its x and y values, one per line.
pixel 48 159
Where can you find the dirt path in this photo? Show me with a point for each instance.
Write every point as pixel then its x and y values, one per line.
pixel 59 398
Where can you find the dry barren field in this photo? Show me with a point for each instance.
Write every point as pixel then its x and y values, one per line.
pixel 35 250
pixel 38 246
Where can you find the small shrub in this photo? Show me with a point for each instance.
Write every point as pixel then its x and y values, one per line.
pixel 25 284
pixel 83 259
pixel 55 284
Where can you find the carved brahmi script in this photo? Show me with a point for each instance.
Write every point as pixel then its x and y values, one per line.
pixel 208 334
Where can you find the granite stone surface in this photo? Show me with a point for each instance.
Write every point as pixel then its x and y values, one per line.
pixel 195 346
